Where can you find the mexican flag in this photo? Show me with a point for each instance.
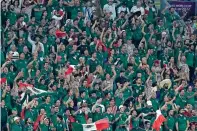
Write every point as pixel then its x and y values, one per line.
pixel 70 69
pixel 3 80
pixel 97 126
pixel 60 34
pixel 158 121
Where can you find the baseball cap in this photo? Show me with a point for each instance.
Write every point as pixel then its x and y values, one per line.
pixel 149 103
pixel 16 118
pixel 121 106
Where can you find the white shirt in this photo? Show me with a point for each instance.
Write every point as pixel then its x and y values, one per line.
pixel 33 43
pixel 130 48
pixel 121 8
pixel 28 10
pixel 87 11
pixel 135 9
pixel 15 55
pixel 110 8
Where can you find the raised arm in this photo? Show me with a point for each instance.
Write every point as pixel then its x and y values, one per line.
pixel 10 41
pixel 118 3
pixel 95 23
pixel 42 47
pixel 179 59
pixel 101 36
pixel 30 40
pixel 123 26
pixel 94 108
pixel 58 18
pixel 163 11
pixel 114 72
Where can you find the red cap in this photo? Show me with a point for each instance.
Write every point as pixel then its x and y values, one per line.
pixel 60 34
pixel 61 12
pixel 156 62
pixel 146 11
pixel 59 58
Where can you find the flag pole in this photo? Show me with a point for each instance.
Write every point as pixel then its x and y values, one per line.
pixel 67 124
pixel 6 84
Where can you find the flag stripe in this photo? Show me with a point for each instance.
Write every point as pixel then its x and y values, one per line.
pixel 60 34
pixel 3 80
pixel 21 85
pixel 158 121
pixel 36 123
pixel 102 124
pixel 69 70
pixel 97 126
pixel 89 127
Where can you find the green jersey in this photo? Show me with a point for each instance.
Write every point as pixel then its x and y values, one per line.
pixel 16 127
pixel 60 126
pixel 92 65
pixel 44 127
pixel 182 123
pixel 170 123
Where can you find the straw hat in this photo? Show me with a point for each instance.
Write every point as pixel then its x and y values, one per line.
pixel 165 82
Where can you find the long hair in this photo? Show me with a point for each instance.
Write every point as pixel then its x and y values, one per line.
pixel 100 69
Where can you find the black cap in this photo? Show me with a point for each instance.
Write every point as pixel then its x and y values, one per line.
pixel 93 91
pixel 60 116
pixel 151 2
pixel 138 13
pixel 129 64
pixel 122 71
pixel 37 35
pixel 82 91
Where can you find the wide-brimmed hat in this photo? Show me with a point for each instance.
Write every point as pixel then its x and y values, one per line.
pixel 165 82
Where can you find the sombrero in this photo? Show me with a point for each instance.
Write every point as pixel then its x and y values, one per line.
pixel 165 82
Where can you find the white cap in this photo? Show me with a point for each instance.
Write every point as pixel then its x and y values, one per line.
pixel 163 33
pixel 121 106
pixel 78 104
pixel 123 31
pixel 70 39
pixel 149 103
pixel 16 118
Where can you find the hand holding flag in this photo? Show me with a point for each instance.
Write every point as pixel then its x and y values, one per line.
pixel 98 126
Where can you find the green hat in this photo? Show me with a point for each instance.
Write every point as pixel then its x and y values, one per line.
pixel 14 109
pixel 79 10
pixel 93 91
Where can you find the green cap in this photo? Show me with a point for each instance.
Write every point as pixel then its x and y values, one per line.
pixel 14 109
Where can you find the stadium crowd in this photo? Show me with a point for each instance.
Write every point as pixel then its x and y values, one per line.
pixel 65 63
